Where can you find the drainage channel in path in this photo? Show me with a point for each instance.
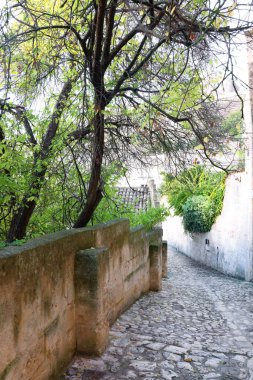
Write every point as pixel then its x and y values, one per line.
pixel 200 326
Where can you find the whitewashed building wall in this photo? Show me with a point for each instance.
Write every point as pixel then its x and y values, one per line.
pixel 227 247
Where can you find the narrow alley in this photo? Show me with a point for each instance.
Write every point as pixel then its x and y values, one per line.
pixel 200 326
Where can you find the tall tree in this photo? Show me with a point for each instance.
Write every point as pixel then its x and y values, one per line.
pixel 144 68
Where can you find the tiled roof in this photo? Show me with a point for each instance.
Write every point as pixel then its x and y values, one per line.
pixel 138 197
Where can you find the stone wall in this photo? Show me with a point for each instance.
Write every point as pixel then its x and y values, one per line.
pixel 227 247
pixel 60 293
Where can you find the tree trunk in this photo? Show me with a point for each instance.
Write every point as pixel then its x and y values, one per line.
pixel 24 212
pixel 20 221
pixel 95 194
pixel 95 191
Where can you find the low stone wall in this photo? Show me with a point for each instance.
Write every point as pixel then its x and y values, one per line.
pixel 227 247
pixel 60 293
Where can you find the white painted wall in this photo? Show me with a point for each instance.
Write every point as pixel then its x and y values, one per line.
pixel 229 249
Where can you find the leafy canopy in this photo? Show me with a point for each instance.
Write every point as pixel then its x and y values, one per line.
pixel 85 84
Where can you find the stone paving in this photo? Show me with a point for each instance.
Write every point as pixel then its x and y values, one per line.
pixel 200 326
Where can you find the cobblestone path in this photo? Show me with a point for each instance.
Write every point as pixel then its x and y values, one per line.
pixel 200 326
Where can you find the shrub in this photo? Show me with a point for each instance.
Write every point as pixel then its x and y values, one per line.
pixel 149 218
pixel 196 194
pixel 199 214
pixel 110 209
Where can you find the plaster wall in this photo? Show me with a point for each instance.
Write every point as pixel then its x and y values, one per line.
pixel 227 247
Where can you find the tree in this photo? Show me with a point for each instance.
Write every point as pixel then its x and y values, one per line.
pixel 133 76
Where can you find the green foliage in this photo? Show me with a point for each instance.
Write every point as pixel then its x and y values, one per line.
pixel 112 208
pixel 14 243
pixel 152 80
pixel 149 218
pixel 197 195
pixel 198 214
pixel 233 127
pixel 233 124
pixel 62 194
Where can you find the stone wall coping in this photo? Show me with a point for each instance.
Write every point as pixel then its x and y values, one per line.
pixel 45 240
pixel 154 234
pixel 137 229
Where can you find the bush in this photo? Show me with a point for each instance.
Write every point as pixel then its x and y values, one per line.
pixel 149 218
pixel 199 214
pixel 196 194
pixel 109 209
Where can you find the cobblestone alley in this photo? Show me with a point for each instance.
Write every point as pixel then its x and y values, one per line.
pixel 200 326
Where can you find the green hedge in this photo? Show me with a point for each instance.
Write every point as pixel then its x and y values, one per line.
pixel 198 214
pixel 197 195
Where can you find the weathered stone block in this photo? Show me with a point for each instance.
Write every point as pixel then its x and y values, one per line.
pixel 91 286
pixel 155 254
pixel 155 235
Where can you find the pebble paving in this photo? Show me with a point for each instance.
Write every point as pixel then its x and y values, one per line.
pixel 200 326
